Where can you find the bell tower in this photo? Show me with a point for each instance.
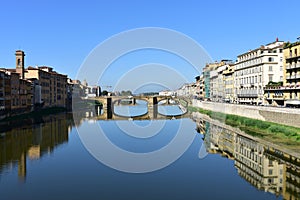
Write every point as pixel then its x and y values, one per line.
pixel 20 63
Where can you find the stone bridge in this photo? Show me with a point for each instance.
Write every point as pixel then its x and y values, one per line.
pixel 152 104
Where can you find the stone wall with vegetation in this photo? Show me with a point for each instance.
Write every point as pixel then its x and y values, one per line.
pixel 287 116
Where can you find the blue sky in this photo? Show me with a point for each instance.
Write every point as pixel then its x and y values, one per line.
pixel 61 34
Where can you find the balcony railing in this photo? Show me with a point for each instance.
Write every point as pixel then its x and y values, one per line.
pixel 277 96
pixel 247 95
pixel 288 66
pixel 294 76
pixel 292 56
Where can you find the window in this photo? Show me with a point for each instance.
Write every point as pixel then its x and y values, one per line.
pixel 19 62
pixel 280 59
pixel 281 78
pixel 280 50
pixel 295 52
pixel 270 68
pixel 270 163
pixel 270 171
pixel 280 68
pixel 270 77
pixel 271 59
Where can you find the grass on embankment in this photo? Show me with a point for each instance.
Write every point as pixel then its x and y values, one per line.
pixel 86 102
pixel 255 127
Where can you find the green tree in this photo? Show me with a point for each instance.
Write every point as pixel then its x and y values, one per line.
pixel 104 93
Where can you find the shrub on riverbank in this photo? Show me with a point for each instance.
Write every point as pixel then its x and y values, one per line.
pixel 253 126
pixel 86 103
pixel 36 114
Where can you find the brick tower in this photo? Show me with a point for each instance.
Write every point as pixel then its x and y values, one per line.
pixel 20 63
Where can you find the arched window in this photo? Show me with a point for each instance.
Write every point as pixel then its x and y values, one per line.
pixel 19 62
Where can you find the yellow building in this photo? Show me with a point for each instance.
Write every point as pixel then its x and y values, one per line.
pixel 228 75
pixel 287 92
pixel 53 85
pixel 292 73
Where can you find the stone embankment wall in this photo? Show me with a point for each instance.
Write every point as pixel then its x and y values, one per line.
pixel 287 116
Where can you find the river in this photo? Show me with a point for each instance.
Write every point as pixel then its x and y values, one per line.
pixel 56 157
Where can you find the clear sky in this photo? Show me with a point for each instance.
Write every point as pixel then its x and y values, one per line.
pixel 62 33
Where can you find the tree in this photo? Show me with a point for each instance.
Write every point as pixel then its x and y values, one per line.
pixel 126 93
pixel 104 93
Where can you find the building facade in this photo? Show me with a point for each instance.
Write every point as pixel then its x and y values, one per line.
pixel 5 93
pixel 255 69
pixel 202 87
pixel 287 92
pixel 228 75
pixel 53 85
pixel 207 78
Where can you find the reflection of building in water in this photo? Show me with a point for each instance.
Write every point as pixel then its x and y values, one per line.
pixel 292 172
pixel 221 140
pixel 253 165
pixel 34 152
pixel 263 166
pixel 22 166
pixel 32 141
pixel 91 112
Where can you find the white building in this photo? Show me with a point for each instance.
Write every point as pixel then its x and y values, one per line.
pixel 166 93
pixel 255 69
pixel 213 85
pixel 188 90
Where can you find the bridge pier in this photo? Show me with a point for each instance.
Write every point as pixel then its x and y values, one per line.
pixel 109 108
pixel 155 107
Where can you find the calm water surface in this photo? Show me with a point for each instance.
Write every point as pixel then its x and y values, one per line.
pixel 46 159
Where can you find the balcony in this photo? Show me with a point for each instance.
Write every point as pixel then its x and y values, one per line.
pixel 289 66
pixel 294 76
pixel 278 96
pixel 247 95
pixel 292 56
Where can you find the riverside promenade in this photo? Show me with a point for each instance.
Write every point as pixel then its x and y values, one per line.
pixel 286 116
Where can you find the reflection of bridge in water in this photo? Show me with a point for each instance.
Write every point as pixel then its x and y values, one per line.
pixel 153 102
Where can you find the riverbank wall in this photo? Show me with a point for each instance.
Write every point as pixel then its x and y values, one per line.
pixel 286 116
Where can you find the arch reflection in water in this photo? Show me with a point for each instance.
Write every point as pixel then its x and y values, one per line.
pixel 170 110
pixel 171 107
pixel 131 109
